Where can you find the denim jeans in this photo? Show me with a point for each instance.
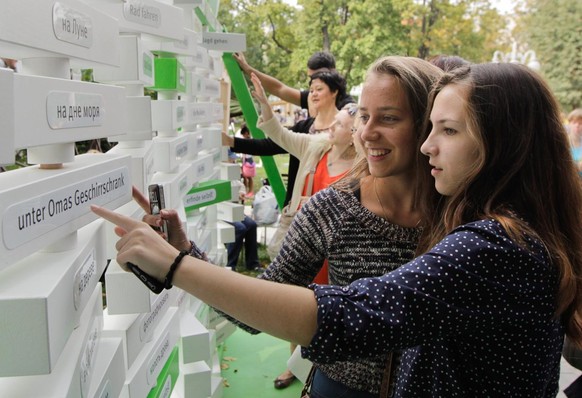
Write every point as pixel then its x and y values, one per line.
pixel 324 387
pixel 245 232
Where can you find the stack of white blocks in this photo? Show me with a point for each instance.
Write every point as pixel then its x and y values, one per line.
pixel 55 338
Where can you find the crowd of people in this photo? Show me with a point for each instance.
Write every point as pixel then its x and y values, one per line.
pixel 453 266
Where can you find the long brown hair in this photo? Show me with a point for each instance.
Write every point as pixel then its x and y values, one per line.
pixel 525 178
pixel 416 77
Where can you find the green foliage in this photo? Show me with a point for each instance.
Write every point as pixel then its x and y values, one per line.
pixel 554 30
pixel 281 38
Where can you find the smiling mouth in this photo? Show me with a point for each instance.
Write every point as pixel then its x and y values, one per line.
pixel 378 152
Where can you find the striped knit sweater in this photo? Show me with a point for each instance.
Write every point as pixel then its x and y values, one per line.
pixel 358 244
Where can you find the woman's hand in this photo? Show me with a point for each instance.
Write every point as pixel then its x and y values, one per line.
pixel 227 140
pixel 177 236
pixel 259 94
pixel 139 244
pixel 242 62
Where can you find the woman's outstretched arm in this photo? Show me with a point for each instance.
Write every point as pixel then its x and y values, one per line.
pixel 284 311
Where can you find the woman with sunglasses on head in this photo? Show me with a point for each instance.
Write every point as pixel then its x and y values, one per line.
pixel 484 309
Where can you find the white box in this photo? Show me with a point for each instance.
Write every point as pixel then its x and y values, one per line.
pixel 230 171
pixel 176 185
pixel 195 339
pixel 170 152
pixel 199 113
pixel 217 387
pixel 143 374
pixel 194 380
pixel 136 330
pixel 95 39
pixel 56 111
pixel 226 232
pixel 126 294
pixel 7 149
pixel 41 306
pixel 169 115
pixel 41 207
pixel 72 375
pixel 136 66
pixel 186 46
pixel 145 16
pixel 230 212
pixel 202 168
pixel 109 375
pixel 142 160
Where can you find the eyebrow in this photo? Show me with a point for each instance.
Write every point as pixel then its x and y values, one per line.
pixel 441 121
pixel 383 108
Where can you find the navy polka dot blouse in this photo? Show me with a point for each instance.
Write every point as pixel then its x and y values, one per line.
pixel 474 317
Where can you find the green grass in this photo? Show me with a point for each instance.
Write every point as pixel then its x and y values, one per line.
pixel 264 260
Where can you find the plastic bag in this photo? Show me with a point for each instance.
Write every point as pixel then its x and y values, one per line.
pixel 265 208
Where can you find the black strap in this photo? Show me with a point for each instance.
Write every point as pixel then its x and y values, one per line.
pixel 170 275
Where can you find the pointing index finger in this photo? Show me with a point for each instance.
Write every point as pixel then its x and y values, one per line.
pixel 141 200
pixel 124 222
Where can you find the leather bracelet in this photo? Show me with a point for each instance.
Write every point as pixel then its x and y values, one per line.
pixel 170 275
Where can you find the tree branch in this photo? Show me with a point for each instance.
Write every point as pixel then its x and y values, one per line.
pixel 274 36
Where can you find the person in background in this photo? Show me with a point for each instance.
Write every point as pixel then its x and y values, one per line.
pixel 245 231
pixel 319 61
pixel 484 308
pixel 249 167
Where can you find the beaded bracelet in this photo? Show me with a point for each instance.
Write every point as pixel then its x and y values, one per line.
pixel 170 275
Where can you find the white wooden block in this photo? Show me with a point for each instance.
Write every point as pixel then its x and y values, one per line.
pixel 137 329
pixel 136 66
pixel 143 374
pixel 41 306
pixel 7 122
pixel 202 168
pixel 169 115
pixel 229 211
pixel 40 207
pixel 230 171
pixel 72 375
pixel 210 88
pixel 142 162
pixel 199 113
pixel 226 232
pixel 195 143
pixel 199 60
pixel 109 375
pixel 70 28
pixel 145 16
pixel 194 342
pixel 217 387
pixel 186 47
pixel 194 380
pixel 169 152
pixel 212 136
pixel 176 185
pixel 53 111
pixel 126 294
